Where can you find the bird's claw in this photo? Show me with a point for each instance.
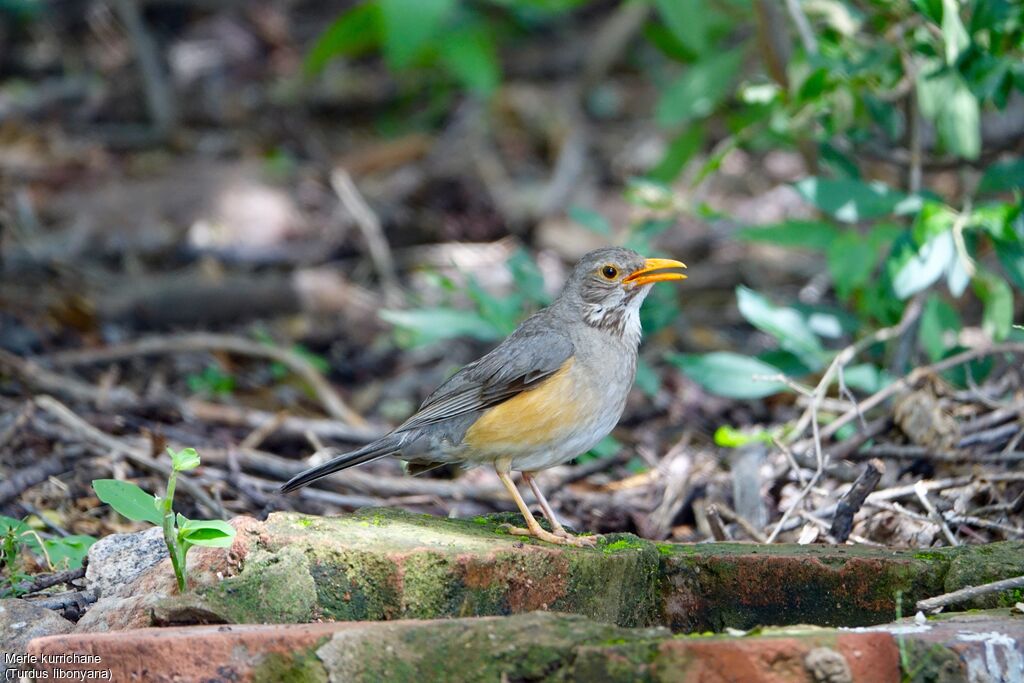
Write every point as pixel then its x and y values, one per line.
pixel 563 538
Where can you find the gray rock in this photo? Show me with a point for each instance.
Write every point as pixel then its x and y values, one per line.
pixel 20 622
pixel 117 560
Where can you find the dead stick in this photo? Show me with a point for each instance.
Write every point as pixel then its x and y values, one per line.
pixel 852 500
pixel 49 580
pixel 969 593
pixel 42 379
pixel 202 341
pixel 25 479
pixel 933 513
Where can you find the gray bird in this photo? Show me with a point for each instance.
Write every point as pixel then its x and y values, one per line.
pixel 549 392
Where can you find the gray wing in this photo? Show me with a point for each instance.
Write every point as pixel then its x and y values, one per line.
pixel 518 364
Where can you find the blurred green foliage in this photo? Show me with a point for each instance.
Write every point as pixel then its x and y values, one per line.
pixel 19 541
pixel 839 82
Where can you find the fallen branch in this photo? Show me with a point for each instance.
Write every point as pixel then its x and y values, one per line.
pixel 969 593
pixel 44 581
pixel 28 477
pixel 205 342
pixel 47 381
pixel 249 418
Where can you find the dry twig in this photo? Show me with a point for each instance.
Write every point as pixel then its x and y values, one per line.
pixel 969 593
pixel 207 342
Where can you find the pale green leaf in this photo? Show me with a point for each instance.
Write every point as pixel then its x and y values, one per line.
pixel 128 500
pixel 785 324
pixel 184 460
pixel 729 374
pixel 700 89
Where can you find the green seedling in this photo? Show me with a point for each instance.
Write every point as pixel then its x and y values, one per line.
pixel 180 533
pixel 18 541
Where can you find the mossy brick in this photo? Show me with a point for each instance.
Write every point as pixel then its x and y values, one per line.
pixel 974 565
pixel 382 564
pixel 714 586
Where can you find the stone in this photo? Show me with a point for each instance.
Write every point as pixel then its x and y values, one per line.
pixel 20 622
pixel 116 561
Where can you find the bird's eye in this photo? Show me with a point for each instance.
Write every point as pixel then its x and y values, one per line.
pixel 610 272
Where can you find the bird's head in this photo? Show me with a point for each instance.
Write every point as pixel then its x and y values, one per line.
pixel 610 284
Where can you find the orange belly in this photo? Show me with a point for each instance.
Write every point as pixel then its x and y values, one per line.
pixel 532 419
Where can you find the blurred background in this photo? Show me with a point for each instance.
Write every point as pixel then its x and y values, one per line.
pixel 266 230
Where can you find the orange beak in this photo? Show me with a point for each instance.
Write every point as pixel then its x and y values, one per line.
pixel 656 270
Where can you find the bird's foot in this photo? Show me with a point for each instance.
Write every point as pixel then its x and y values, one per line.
pixel 563 538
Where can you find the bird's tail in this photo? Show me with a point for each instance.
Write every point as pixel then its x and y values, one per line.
pixel 371 451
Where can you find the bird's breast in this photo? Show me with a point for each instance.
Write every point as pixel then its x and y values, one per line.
pixel 563 417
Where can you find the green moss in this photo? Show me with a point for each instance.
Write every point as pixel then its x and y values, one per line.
pixel 273 588
pixel 353 585
pixel 427 586
pixel 628 543
pixel 297 667
pixel 976 565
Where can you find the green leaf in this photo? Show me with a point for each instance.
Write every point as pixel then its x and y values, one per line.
pixel 997 297
pixel 184 460
pixel 816 235
pixel 785 324
pixel 851 261
pixel 926 266
pixel 429 325
pixel 68 552
pixel 688 22
pixel 852 201
pixel 679 152
pixel 591 220
pixel 728 374
pixel 128 500
pixel 700 89
pixel 954 35
pixel 470 56
pixel 212 533
pixel 351 34
pixel 940 324
pixel 934 219
pixel 1003 176
pixel 948 102
pixel 1011 256
pixel 410 26
pixel 866 377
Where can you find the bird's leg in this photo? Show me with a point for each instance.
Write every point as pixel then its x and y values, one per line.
pixel 533 528
pixel 556 526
